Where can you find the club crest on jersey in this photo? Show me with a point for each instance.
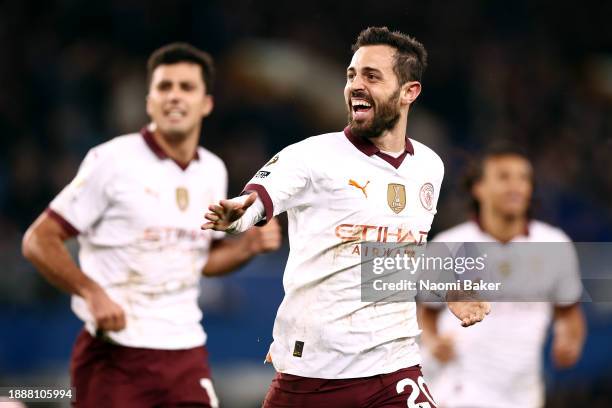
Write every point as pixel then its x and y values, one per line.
pixel 426 195
pixel 182 198
pixel 505 268
pixel 396 197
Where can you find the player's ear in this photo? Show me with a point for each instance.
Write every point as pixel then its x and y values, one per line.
pixel 208 105
pixel 409 92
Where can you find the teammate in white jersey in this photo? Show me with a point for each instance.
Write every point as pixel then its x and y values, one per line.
pixel 499 363
pixel 368 183
pixel 135 205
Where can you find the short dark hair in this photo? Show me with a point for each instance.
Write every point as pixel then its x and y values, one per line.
pixel 183 52
pixel 410 57
pixel 475 168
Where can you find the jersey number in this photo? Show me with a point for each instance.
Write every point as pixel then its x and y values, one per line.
pixel 414 394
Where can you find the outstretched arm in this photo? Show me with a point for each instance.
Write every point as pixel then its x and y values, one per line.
pixel 235 215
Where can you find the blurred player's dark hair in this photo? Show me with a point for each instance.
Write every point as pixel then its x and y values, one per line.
pixel 410 58
pixel 183 52
pixel 474 170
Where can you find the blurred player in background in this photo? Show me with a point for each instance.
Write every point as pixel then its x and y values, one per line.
pixel 499 362
pixel 331 349
pixel 135 206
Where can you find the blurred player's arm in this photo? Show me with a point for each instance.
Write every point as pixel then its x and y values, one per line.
pixel 569 326
pixel 228 254
pixel 440 346
pixel 43 245
pixel 569 331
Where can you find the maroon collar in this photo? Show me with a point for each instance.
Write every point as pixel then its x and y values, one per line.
pixel 147 135
pixel 368 148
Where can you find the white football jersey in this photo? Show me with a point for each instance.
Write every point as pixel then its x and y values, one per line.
pixel 498 361
pixel 137 213
pixel 339 190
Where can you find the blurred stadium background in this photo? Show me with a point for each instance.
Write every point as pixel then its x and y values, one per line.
pixel 73 76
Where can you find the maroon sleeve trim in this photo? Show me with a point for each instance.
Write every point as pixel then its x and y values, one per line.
pixel 68 227
pixel 265 199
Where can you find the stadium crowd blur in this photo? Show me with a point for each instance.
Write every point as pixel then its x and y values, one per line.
pixel 536 73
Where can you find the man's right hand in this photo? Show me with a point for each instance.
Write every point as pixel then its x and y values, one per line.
pixel 222 215
pixel 442 348
pixel 108 315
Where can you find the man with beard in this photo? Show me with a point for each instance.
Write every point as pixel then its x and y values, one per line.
pixel 133 205
pixel 367 183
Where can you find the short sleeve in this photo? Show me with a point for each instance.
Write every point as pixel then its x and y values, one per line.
pixel 281 182
pixel 82 202
pixel 568 288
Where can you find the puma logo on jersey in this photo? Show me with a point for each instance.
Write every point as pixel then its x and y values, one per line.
pixel 362 188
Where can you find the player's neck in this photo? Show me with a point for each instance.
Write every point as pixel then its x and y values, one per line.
pixel 503 229
pixel 181 150
pixel 393 140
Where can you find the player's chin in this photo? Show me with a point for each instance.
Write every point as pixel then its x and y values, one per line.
pixel 175 130
pixel 514 211
pixel 360 124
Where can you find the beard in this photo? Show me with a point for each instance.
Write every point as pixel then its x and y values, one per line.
pixel 386 116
